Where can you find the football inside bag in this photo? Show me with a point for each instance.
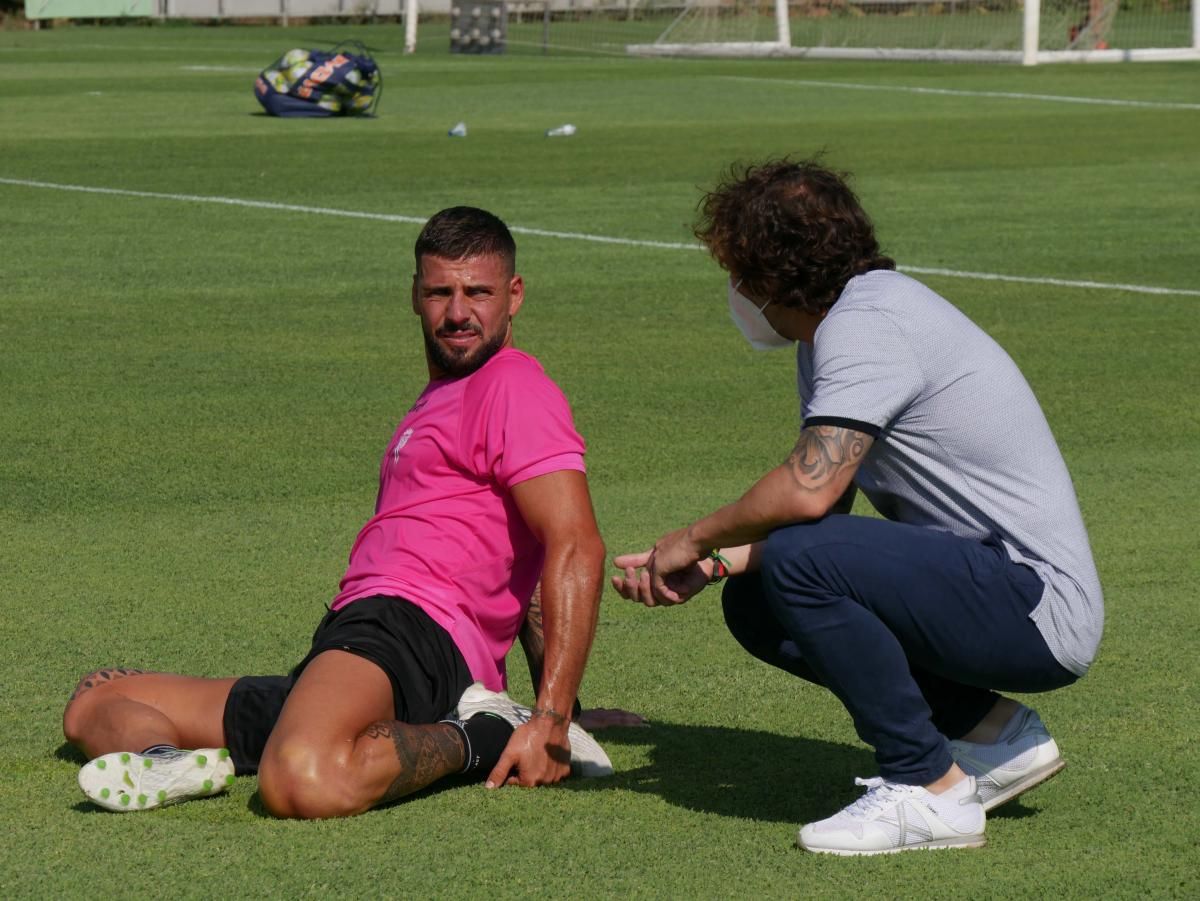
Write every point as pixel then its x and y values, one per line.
pixel 344 81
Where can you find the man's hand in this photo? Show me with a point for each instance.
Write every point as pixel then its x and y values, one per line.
pixel 676 555
pixel 671 573
pixel 538 753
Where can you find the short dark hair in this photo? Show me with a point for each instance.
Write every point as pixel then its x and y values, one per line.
pixel 466 231
pixel 794 232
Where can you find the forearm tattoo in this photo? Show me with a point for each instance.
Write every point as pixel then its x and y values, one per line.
pixel 425 754
pixel 100 676
pixel 533 638
pixel 822 451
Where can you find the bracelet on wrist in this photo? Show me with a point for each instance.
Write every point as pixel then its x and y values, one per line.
pixel 720 568
pixel 549 713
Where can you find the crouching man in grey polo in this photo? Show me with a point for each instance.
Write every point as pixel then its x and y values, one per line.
pixel 978 579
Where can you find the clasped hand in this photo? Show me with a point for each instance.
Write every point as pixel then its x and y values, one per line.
pixel 672 572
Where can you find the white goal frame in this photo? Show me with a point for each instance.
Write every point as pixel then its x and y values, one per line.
pixel 1028 55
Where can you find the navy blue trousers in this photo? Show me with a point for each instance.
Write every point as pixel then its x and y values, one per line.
pixel 914 630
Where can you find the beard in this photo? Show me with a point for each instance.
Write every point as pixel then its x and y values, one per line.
pixel 455 362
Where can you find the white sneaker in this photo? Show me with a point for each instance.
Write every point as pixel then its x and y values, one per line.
pixel 1023 756
pixel 587 757
pixel 124 781
pixel 892 817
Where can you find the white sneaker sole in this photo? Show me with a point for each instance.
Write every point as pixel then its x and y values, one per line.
pixel 123 781
pixel 1030 780
pixel 942 844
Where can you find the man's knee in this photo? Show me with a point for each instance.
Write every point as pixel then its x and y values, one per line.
pixel 803 569
pixel 782 558
pixel 298 780
pixel 90 691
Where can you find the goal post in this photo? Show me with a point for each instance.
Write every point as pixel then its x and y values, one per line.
pixel 1025 32
pixel 1015 31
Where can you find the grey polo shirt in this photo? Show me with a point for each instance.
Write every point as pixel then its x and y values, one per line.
pixel 961 443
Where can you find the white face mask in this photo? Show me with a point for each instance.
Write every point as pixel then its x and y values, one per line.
pixel 752 323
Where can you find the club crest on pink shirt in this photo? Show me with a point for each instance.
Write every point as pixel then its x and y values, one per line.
pixel 403 440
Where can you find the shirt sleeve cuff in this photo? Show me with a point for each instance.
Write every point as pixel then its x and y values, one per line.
pixel 572 461
pixel 856 425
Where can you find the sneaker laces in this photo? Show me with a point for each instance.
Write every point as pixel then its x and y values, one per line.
pixel 880 794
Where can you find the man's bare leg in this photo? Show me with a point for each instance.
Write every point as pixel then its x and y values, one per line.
pixel 123 709
pixel 114 715
pixel 338 750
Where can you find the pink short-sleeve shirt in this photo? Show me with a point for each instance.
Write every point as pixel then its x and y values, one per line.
pixel 446 534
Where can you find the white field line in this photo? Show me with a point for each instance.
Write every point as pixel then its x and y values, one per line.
pixel 60 48
pixel 561 235
pixel 954 92
pixel 1060 282
pixel 241 69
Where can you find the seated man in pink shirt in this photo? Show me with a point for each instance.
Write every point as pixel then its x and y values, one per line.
pixel 482 495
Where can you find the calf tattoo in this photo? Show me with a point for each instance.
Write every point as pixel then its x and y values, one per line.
pixel 100 676
pixel 425 754
pixel 822 451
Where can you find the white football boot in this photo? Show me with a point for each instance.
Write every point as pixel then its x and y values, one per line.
pixel 587 757
pixel 124 781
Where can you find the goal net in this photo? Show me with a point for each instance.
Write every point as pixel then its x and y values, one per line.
pixel 987 30
pixel 608 27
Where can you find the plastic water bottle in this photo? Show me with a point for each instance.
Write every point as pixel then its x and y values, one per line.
pixel 458 131
pixel 563 131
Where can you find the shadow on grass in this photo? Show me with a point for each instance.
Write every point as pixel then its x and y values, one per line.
pixel 70 754
pixel 737 772
pixel 713 769
pixel 710 769
pixel 1013 810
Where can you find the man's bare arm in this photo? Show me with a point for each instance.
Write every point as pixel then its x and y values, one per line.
pixel 533 643
pixel 817 475
pixel 558 510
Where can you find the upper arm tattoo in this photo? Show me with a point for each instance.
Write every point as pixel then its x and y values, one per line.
pixel 823 451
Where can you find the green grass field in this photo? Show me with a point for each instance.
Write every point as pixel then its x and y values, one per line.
pixel 194 396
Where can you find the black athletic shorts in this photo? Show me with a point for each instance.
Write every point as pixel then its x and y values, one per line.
pixel 427 672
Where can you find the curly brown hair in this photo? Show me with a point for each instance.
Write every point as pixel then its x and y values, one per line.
pixel 793 232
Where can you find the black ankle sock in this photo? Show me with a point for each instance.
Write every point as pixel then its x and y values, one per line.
pixel 485 737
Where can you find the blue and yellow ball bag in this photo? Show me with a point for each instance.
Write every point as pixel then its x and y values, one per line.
pixel 344 81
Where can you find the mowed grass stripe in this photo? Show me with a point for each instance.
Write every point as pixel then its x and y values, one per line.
pixel 572 236
pixel 958 92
